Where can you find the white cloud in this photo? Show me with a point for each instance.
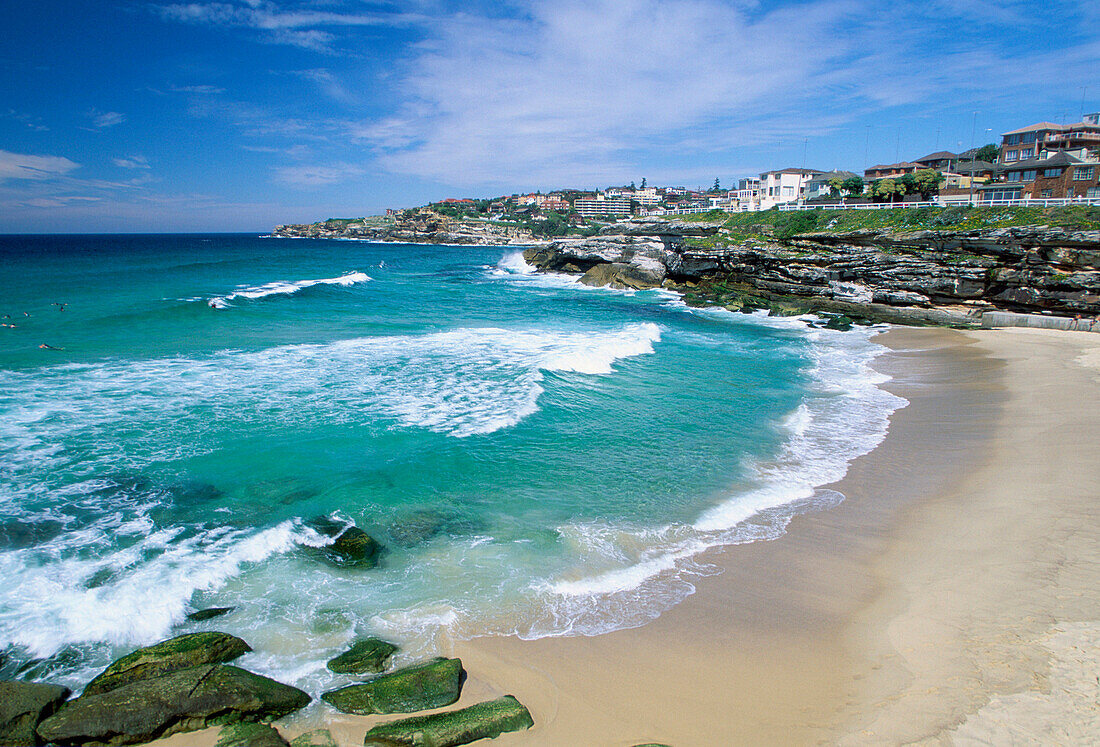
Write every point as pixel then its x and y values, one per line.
pixel 134 162
pixel 310 176
pixel 25 166
pixel 103 120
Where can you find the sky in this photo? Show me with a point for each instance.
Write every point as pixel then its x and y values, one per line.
pixel 237 115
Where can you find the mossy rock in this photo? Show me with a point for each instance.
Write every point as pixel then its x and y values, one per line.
pixel 486 720
pixel 841 323
pixel 209 613
pixel 184 700
pixel 183 651
pixel 315 738
pixel 369 655
pixel 351 546
pixel 247 734
pixel 433 684
pixel 24 705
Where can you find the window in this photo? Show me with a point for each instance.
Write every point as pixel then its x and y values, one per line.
pixel 1026 153
pixel 1093 192
pixel 1047 193
pixel 1052 172
pixel 788 191
pixel 1011 155
pixel 1084 173
pixel 1012 139
pixel 1028 176
pixel 1028 137
pixel 1014 176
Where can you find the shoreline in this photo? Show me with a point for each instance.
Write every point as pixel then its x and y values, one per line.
pixel 935 604
pixel 835 632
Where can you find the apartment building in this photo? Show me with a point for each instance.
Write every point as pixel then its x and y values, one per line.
pixel 1081 139
pixel 601 204
pixel 783 185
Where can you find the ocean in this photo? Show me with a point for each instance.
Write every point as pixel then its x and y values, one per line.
pixel 537 457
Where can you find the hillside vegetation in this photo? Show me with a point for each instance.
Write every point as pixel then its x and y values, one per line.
pixel 771 225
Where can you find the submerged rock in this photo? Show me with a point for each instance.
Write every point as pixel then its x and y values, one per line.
pixel 486 720
pixel 433 684
pixel 23 706
pixel 250 735
pixel 210 612
pixel 352 547
pixel 180 652
pixel 315 738
pixel 368 655
pixel 184 700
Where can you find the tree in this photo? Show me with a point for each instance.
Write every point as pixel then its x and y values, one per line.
pixel 928 182
pixel 717 186
pixel 643 182
pixel 632 186
pixel 886 189
pixel 835 185
pixel 908 184
pixel 853 185
pixel 987 153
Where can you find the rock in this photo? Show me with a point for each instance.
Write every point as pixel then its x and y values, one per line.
pixel 841 323
pixel 250 735
pixel 486 720
pixel 432 684
pixel 352 547
pixel 368 655
pixel 23 705
pixel 622 275
pixel 209 613
pixel 181 652
pixel 315 738
pixel 184 700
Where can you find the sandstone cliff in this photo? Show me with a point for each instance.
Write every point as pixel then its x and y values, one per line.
pixel 923 277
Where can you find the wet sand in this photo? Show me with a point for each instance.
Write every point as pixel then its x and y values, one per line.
pixel 950 598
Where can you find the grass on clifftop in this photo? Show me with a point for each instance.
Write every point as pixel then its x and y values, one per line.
pixel 768 225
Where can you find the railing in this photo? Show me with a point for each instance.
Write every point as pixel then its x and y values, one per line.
pixel 945 202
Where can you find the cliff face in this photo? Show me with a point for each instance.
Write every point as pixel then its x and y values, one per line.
pixel 424 227
pixel 942 277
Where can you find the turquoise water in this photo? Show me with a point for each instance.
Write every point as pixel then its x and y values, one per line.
pixel 537 457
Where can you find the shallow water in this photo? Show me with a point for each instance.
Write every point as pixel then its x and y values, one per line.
pixel 538 457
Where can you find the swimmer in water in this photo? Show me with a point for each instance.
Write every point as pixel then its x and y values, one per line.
pixel 44 346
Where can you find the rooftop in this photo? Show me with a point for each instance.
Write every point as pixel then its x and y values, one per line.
pixel 940 155
pixel 1059 159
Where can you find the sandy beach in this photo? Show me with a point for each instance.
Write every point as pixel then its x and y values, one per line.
pixel 949 599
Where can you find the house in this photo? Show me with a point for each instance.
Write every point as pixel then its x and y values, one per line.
pixel 819 187
pixel 942 161
pixel 555 202
pixel 647 196
pixel 891 170
pixel 1061 175
pixel 782 186
pixel 1081 139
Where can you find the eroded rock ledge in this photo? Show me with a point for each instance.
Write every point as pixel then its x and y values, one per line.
pixel 925 277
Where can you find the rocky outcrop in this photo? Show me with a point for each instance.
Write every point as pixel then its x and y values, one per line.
pixel 250 735
pixel 185 700
pixel 351 546
pixel 433 684
pixel 486 720
pixel 315 738
pixel 209 613
pixel 367 656
pixel 421 227
pixel 168 656
pixel 924 277
pixel 23 706
pixel 630 254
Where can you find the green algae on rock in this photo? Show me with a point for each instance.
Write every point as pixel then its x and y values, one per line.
pixel 23 705
pixel 209 613
pixel 315 738
pixel 184 700
pixel 351 546
pixel 246 734
pixel 486 720
pixel 368 655
pixel 191 650
pixel 433 684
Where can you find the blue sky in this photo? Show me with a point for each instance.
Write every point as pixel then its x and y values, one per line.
pixel 240 114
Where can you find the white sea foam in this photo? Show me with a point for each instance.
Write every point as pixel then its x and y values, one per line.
pixel 513 263
pixel 286 288
pixel 150 583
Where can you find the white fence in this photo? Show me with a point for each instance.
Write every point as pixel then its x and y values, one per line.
pixel 1024 202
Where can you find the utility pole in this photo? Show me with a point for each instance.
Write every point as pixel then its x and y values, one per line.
pixel 973 155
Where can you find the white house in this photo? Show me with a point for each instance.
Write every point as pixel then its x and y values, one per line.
pixel 784 185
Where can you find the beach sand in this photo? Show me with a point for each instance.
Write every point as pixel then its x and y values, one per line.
pixel 950 598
